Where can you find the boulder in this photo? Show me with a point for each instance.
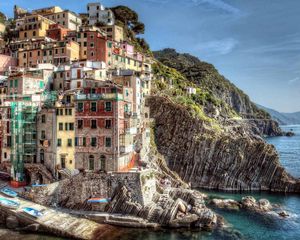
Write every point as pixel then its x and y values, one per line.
pixel 12 222
pixel 283 214
pixel 226 204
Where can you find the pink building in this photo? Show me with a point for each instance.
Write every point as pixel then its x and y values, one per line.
pixel 6 62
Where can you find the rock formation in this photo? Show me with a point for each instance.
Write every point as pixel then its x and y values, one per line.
pixel 231 158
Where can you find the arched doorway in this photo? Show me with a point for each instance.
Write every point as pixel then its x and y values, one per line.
pixel 102 163
pixel 91 162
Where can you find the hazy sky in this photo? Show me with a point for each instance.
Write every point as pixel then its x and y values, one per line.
pixel 254 43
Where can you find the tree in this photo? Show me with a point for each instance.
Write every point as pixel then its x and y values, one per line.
pixel 139 28
pixel 129 18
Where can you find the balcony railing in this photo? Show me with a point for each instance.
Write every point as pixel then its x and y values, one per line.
pixel 106 96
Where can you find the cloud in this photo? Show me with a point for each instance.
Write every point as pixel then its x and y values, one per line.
pixel 219 4
pixel 216 4
pixel 217 47
pixel 294 80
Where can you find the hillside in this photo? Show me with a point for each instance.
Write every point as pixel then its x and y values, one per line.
pixel 212 138
pixel 218 97
pixel 283 118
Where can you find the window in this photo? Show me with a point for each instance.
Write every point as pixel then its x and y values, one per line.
pixel 30 54
pixel 42 156
pixel 63 161
pixel 84 141
pixel 85 44
pixel 76 141
pixel 8 139
pixel 43 134
pixel 85 35
pixel 69 142
pixel 102 162
pixel 16 83
pixel 24 55
pixel 91 162
pixel 93 106
pixel 80 124
pixel 94 142
pixel 80 107
pixel 61 127
pixel 107 142
pixel 25 35
pixel 11 83
pixel 34 33
pixel 61 112
pixel 59 142
pixel 107 124
pixel 39 53
pixel 108 106
pixel 93 124
pixel 91 44
pixel 71 126
pixel 66 126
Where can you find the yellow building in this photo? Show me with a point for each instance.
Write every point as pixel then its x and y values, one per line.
pixel 65 135
pixel 33 26
pixel 133 63
pixel 114 32
pixel 47 10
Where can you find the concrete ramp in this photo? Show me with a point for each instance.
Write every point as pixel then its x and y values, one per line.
pixel 54 221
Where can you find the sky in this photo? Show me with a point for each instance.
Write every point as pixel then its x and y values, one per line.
pixel 255 44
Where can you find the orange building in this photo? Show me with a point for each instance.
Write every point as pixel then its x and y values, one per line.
pixel 57 32
pixel 56 53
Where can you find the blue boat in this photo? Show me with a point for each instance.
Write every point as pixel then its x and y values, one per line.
pixel 32 212
pixel 9 203
pixel 39 185
pixel 8 192
pixel 98 200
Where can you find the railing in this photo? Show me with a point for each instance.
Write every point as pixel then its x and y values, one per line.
pixel 106 96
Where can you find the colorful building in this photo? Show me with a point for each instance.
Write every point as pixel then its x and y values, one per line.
pixel 33 26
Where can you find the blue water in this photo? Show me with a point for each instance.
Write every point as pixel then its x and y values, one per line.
pixel 289 149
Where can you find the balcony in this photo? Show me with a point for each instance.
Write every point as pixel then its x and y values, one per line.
pixel 95 97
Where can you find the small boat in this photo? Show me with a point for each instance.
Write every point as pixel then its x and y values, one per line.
pixel 98 200
pixel 39 185
pixel 8 192
pixel 9 203
pixel 32 212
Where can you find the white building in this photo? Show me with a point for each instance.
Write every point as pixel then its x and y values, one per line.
pixel 98 13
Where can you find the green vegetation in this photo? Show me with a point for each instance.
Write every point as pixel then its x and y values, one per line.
pixel 213 89
pixel 2 17
pixel 129 20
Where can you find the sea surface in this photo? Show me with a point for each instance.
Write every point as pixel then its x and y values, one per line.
pixel 241 225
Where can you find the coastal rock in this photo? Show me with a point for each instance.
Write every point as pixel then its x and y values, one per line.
pixel 290 134
pixel 229 158
pixel 228 204
pixel 12 222
pixel 283 214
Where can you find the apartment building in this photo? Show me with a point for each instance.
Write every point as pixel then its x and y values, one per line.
pixel 97 13
pixel 66 18
pixel 32 26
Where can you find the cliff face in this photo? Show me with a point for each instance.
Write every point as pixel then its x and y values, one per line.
pixel 232 158
pixel 205 77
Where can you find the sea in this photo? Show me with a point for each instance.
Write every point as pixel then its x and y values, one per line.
pixel 239 224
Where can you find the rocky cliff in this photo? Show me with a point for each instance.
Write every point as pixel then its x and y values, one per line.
pixel 224 97
pixel 228 157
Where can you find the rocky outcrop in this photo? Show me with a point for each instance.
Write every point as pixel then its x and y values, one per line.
pixel 230 158
pixel 175 208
